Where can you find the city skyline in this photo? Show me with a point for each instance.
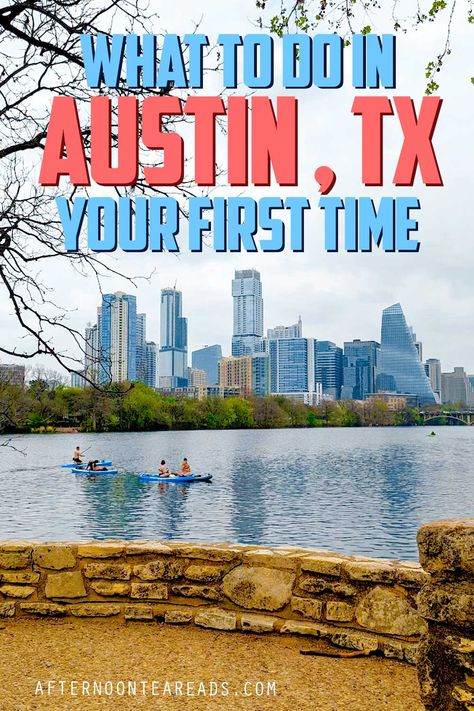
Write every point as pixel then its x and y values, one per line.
pixel 356 371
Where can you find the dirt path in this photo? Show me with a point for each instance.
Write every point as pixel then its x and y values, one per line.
pixel 168 664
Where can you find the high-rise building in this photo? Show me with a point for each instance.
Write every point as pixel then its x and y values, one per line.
pixel 433 371
pixel 329 368
pixel 174 341
pixel 92 356
pixel 293 331
pixel 249 373
pixel 360 362
pixel 247 335
pixel 197 378
pixel 292 366
pixel 118 338
pixel 207 358
pixel 141 348
pixel 399 359
pixel 151 351
pixel 12 374
pixel 456 388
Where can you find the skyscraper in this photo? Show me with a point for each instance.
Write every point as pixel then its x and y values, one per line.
pixel 399 359
pixel 118 338
pixel 433 371
pixel 141 348
pixel 293 331
pixel 207 358
pixel 292 366
pixel 151 351
pixel 360 362
pixel 456 388
pixel 329 368
pixel 247 335
pixel 92 352
pixel 174 341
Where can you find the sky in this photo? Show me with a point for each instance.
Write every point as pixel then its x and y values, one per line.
pixel 340 296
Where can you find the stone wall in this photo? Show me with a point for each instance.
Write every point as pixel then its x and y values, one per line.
pixel 446 602
pixel 354 602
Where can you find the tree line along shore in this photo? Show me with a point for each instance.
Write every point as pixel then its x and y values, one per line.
pixel 126 407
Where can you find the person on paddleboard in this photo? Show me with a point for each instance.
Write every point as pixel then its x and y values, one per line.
pixel 76 457
pixel 185 469
pixel 163 469
pixel 92 466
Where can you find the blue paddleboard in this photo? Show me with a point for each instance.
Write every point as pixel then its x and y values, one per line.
pixel 93 473
pixel 175 479
pixel 102 463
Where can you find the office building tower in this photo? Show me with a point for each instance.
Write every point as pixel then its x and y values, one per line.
pixel 456 388
pixel 399 358
pixel 293 331
pixel 207 359
pixel 197 378
pixel 174 341
pixel 92 356
pixel 118 338
pixel 151 353
pixel 329 368
pixel 247 335
pixel 433 371
pixel 141 348
pixel 360 362
pixel 292 366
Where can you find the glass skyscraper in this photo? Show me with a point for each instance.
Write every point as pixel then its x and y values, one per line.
pixel 329 368
pixel 118 338
pixel 399 358
pixel 173 342
pixel 360 362
pixel 292 365
pixel 207 359
pixel 247 335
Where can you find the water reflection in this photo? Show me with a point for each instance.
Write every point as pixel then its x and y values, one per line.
pixel 355 491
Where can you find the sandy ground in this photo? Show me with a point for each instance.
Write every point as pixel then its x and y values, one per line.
pixel 223 670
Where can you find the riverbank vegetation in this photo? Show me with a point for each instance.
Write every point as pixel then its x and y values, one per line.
pixel 47 406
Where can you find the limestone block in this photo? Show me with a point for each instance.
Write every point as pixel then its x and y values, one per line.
pixel 307 607
pixel 205 573
pixel 389 612
pixel 372 571
pixel 109 589
pixel 339 611
pixel 216 619
pixel 259 588
pixel 19 576
pixel 178 617
pixel 43 609
pixel 208 592
pixel 205 552
pixel 95 609
pixel 326 565
pixel 65 585
pixel 311 584
pixel 108 549
pixel 167 569
pixel 12 560
pixel 7 609
pixel 15 547
pixel 54 557
pixel 109 571
pixel 398 649
pixel 355 640
pixel 20 591
pixel 270 559
pixel 306 628
pixel 411 576
pixel 447 546
pixel 257 623
pixel 464 694
pixel 451 603
pixel 147 547
pixel 138 612
pixel 149 591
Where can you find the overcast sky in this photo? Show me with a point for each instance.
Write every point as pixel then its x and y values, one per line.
pixel 340 296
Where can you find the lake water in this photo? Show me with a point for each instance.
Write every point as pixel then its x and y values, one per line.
pixel 356 491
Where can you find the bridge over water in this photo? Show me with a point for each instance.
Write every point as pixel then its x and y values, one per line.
pixel 448 417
